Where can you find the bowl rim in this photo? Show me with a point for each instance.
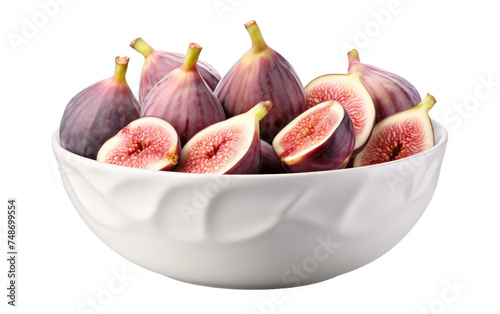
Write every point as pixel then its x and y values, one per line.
pixel 441 139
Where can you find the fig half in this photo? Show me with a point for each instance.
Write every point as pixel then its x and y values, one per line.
pixel 145 143
pixel 159 63
pixel 228 147
pixel 401 135
pixel 322 138
pixel 390 93
pixel 350 92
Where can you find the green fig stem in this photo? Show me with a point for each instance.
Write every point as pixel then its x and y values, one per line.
pixel 427 103
pixel 261 109
pixel 258 42
pixel 121 64
pixel 141 46
pixel 191 57
pixel 353 56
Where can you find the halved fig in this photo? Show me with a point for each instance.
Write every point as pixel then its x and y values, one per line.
pixel 401 135
pixel 228 147
pixel 350 92
pixel 145 143
pixel 321 138
pixel 270 162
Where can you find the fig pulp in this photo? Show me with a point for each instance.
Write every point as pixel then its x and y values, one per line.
pixel 158 64
pixel 262 74
pixel 401 135
pixel 270 162
pixel 322 138
pixel 98 112
pixel 145 143
pixel 390 93
pixel 228 147
pixel 350 92
pixel 184 100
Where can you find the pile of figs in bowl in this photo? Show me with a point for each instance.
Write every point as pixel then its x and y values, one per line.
pixel 249 180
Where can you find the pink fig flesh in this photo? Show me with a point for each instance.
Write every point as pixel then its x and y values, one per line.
pixel 158 64
pixel 228 147
pixel 322 138
pixel 262 74
pixel 146 143
pixel 349 91
pixel 98 112
pixel 398 136
pixel 390 93
pixel 184 100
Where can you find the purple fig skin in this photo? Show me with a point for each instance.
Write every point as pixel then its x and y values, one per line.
pixel 252 161
pixel 184 99
pixel 98 112
pixel 332 154
pixel 158 64
pixel 270 162
pixel 390 93
pixel 262 74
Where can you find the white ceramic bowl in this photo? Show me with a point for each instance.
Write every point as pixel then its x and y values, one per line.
pixel 252 231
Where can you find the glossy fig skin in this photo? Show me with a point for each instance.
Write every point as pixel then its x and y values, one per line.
pixel 270 162
pixel 332 154
pixel 184 99
pixel 262 74
pixel 252 161
pixel 98 112
pixel 390 92
pixel 159 63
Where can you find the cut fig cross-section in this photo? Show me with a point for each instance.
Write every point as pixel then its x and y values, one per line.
pixel 321 138
pixel 400 135
pixel 145 143
pixel 350 92
pixel 228 147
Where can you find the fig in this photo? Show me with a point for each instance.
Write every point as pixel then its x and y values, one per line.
pixel 158 64
pixel 390 93
pixel 350 92
pixel 321 138
pixel 184 99
pixel 98 112
pixel 145 143
pixel 228 147
pixel 401 135
pixel 270 162
pixel 262 74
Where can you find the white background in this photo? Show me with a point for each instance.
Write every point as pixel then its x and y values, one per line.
pixel 446 48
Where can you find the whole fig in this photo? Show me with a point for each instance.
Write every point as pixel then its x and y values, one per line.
pixel 262 74
pixel 390 93
pixel 184 100
pixel 159 63
pixel 98 112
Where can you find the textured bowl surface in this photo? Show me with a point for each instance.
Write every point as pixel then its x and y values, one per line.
pixel 252 231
